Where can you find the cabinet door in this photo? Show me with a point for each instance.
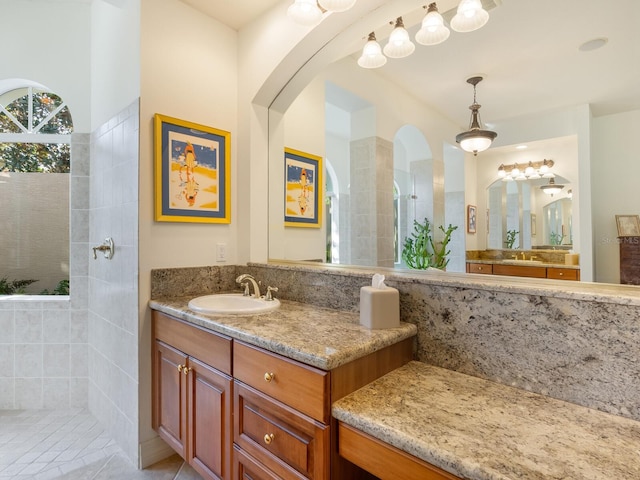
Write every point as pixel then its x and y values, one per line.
pixel 210 401
pixel 170 396
pixel 247 468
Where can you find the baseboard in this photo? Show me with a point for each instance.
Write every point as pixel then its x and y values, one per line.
pixel 152 451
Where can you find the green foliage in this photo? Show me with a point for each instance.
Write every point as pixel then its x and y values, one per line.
pixel 556 238
pixel 36 157
pixel 511 238
pixel 61 289
pixel 421 251
pixel 14 286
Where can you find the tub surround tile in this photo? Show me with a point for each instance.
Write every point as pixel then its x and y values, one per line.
pixel 337 336
pixel 482 430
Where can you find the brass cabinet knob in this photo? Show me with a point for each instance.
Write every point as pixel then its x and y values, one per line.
pixel 268 438
pixel 186 370
pixel 180 367
pixel 269 376
pixel 480 269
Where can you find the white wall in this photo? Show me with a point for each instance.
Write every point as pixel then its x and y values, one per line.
pixel 615 170
pixel 57 57
pixel 115 58
pixel 188 71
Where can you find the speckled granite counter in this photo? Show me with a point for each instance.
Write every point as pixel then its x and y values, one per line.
pixel 482 430
pixel 323 338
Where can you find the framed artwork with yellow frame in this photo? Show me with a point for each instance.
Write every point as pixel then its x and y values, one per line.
pixel 192 172
pixel 302 189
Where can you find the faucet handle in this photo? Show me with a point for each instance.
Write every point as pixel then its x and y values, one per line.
pixel 268 296
pixel 245 286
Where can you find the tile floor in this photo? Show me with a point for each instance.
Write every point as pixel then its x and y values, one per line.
pixel 70 445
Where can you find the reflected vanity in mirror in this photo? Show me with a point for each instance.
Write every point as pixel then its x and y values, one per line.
pixel 391 159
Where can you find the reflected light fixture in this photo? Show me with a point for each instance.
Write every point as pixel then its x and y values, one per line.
pixel 305 12
pixel 337 5
pixel 529 171
pixel 475 139
pixel 372 56
pixel 552 187
pixel 433 31
pixel 470 16
pixel 399 45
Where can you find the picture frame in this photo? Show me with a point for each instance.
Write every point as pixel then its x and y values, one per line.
pixel 628 225
pixel 472 218
pixel 302 189
pixel 533 224
pixel 192 172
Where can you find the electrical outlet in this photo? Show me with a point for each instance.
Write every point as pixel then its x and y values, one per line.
pixel 221 252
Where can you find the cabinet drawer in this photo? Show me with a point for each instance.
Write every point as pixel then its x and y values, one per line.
pixel 302 387
pixel 211 348
pixel 290 444
pixel 245 467
pixel 520 271
pixel 480 268
pixel 562 273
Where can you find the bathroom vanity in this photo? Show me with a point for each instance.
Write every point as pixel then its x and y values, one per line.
pixel 250 396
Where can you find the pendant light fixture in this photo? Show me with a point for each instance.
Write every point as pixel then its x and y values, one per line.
pixel 337 5
pixel 552 187
pixel 399 45
pixel 372 56
pixel 305 12
pixel 470 16
pixel 475 139
pixel 433 30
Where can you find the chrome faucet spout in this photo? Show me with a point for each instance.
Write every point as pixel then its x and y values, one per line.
pixel 246 277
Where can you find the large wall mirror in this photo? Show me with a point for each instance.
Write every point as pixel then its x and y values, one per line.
pixel 387 138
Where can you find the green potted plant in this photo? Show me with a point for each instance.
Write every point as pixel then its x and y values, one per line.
pixel 421 251
pixel 511 238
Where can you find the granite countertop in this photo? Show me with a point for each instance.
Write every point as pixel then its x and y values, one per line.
pixel 482 430
pixel 320 337
pixel 522 264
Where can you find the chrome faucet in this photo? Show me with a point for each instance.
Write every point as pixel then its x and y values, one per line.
pixel 244 280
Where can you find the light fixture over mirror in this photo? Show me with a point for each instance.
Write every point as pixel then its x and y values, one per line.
pixel 400 44
pixel 337 5
pixel 372 56
pixel 433 30
pixel 551 188
pixel 475 139
pixel 526 171
pixel 470 16
pixel 305 12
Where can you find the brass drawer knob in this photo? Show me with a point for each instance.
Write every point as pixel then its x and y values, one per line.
pixel 180 367
pixel 186 370
pixel 268 438
pixel 269 376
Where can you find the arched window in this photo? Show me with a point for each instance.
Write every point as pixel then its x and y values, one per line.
pixel 35 159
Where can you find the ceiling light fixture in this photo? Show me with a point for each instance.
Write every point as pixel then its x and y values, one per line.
pixel 337 5
pixel 552 187
pixel 305 12
pixel 475 139
pixel 470 16
pixel 372 56
pixel 399 45
pixel 433 31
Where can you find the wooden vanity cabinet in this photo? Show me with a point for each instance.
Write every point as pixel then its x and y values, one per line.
pixel 192 394
pixel 484 268
pixel 281 413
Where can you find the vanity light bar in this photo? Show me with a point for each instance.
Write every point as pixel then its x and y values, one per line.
pixel 526 171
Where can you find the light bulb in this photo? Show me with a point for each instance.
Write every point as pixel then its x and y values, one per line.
pixel 372 56
pixel 433 30
pixel 305 12
pixel 399 45
pixel 470 16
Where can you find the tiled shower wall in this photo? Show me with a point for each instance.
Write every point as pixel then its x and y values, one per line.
pixel 43 340
pixel 113 284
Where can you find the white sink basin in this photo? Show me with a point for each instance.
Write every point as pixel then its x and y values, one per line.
pixel 232 304
pixel 522 262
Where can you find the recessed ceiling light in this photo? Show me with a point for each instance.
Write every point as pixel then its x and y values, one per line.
pixel 593 44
